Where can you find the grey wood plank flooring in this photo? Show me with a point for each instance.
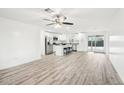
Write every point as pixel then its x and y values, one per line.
pixel 75 69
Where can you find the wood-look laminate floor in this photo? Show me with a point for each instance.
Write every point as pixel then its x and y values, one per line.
pixel 75 69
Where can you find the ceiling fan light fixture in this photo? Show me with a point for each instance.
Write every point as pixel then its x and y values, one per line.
pixel 58 19
pixel 61 19
pixel 57 26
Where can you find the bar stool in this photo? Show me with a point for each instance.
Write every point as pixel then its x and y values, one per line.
pixel 65 51
pixel 68 50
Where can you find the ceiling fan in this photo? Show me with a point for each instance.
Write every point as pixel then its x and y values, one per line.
pixel 57 19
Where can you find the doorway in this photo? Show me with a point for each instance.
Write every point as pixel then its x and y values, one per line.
pixel 96 43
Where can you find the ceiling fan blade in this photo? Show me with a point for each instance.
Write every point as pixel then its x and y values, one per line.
pixel 49 20
pixel 49 10
pixel 67 23
pixel 50 24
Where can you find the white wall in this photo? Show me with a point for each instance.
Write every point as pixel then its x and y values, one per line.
pixel 19 43
pixel 117 43
pixel 42 40
pixel 117 53
pixel 82 37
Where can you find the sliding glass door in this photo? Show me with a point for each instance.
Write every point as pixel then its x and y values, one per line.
pixel 96 43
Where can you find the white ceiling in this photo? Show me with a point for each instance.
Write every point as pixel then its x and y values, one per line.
pixel 84 19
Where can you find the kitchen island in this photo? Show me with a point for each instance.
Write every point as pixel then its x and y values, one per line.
pixel 61 50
